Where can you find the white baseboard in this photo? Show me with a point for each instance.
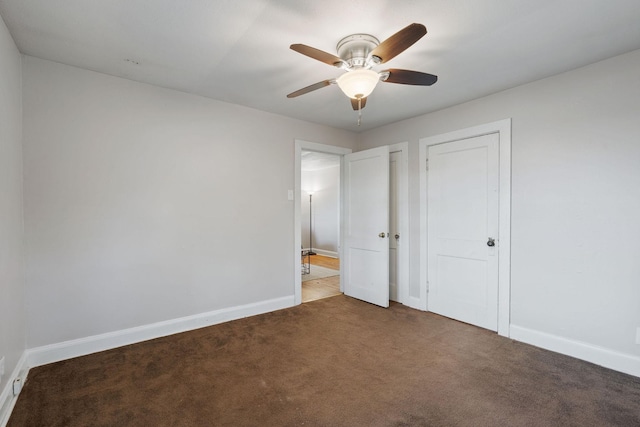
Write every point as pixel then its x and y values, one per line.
pixel 7 399
pixel 80 347
pixel 330 254
pixel 600 356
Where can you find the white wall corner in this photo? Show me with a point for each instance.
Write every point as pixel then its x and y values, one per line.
pixel 617 361
pixel 81 347
pixel 7 399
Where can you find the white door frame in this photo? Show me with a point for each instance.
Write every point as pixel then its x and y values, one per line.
pixel 403 218
pixel 403 213
pixel 300 146
pixel 503 129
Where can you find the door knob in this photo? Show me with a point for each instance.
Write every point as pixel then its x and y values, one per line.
pixel 382 235
pixel 491 242
pixel 397 236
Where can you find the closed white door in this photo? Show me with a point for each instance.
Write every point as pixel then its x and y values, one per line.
pixel 366 219
pixel 462 230
pixel 394 226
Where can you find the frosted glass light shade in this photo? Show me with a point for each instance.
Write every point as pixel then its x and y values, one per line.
pixel 358 83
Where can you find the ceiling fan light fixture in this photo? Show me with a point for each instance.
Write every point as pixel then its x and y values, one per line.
pixel 358 83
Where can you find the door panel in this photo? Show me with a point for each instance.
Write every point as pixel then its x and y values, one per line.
pixel 394 225
pixel 366 254
pixel 462 205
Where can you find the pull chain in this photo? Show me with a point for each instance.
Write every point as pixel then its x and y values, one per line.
pixel 359 111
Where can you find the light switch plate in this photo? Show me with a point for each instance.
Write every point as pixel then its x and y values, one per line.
pixel 290 194
pixel 17 386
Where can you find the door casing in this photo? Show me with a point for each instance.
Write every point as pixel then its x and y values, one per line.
pixel 503 129
pixel 403 213
pixel 300 146
pixel 402 198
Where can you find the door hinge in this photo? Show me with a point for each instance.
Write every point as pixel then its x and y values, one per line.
pixel 427 164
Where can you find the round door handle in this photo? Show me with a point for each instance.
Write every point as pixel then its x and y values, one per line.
pixel 382 235
pixel 491 242
pixel 397 236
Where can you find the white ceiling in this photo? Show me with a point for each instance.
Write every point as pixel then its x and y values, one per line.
pixel 314 161
pixel 238 51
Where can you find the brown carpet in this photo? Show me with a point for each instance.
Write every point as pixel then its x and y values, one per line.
pixel 331 362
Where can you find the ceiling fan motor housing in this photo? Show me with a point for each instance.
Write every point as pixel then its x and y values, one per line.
pixel 354 50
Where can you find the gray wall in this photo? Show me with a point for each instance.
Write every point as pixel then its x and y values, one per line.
pixel 575 198
pixel 12 320
pixel 326 204
pixel 144 204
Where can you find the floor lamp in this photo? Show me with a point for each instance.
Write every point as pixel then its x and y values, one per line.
pixel 310 230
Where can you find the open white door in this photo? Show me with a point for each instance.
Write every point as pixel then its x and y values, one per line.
pixel 366 225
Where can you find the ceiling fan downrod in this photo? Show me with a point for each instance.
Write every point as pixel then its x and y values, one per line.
pixel 355 50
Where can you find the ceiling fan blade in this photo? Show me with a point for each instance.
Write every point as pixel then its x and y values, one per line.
pixel 408 77
pixel 356 106
pixel 310 88
pixel 399 42
pixel 318 54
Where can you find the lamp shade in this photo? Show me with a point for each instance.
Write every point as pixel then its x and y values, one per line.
pixel 358 83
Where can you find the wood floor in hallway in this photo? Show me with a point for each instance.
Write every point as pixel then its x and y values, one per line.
pixel 325 261
pixel 322 288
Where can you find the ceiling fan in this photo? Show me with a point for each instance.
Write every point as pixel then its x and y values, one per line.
pixel 358 54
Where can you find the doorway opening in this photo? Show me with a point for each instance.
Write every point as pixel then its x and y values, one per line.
pixel 398 228
pixel 320 224
pixel 299 219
